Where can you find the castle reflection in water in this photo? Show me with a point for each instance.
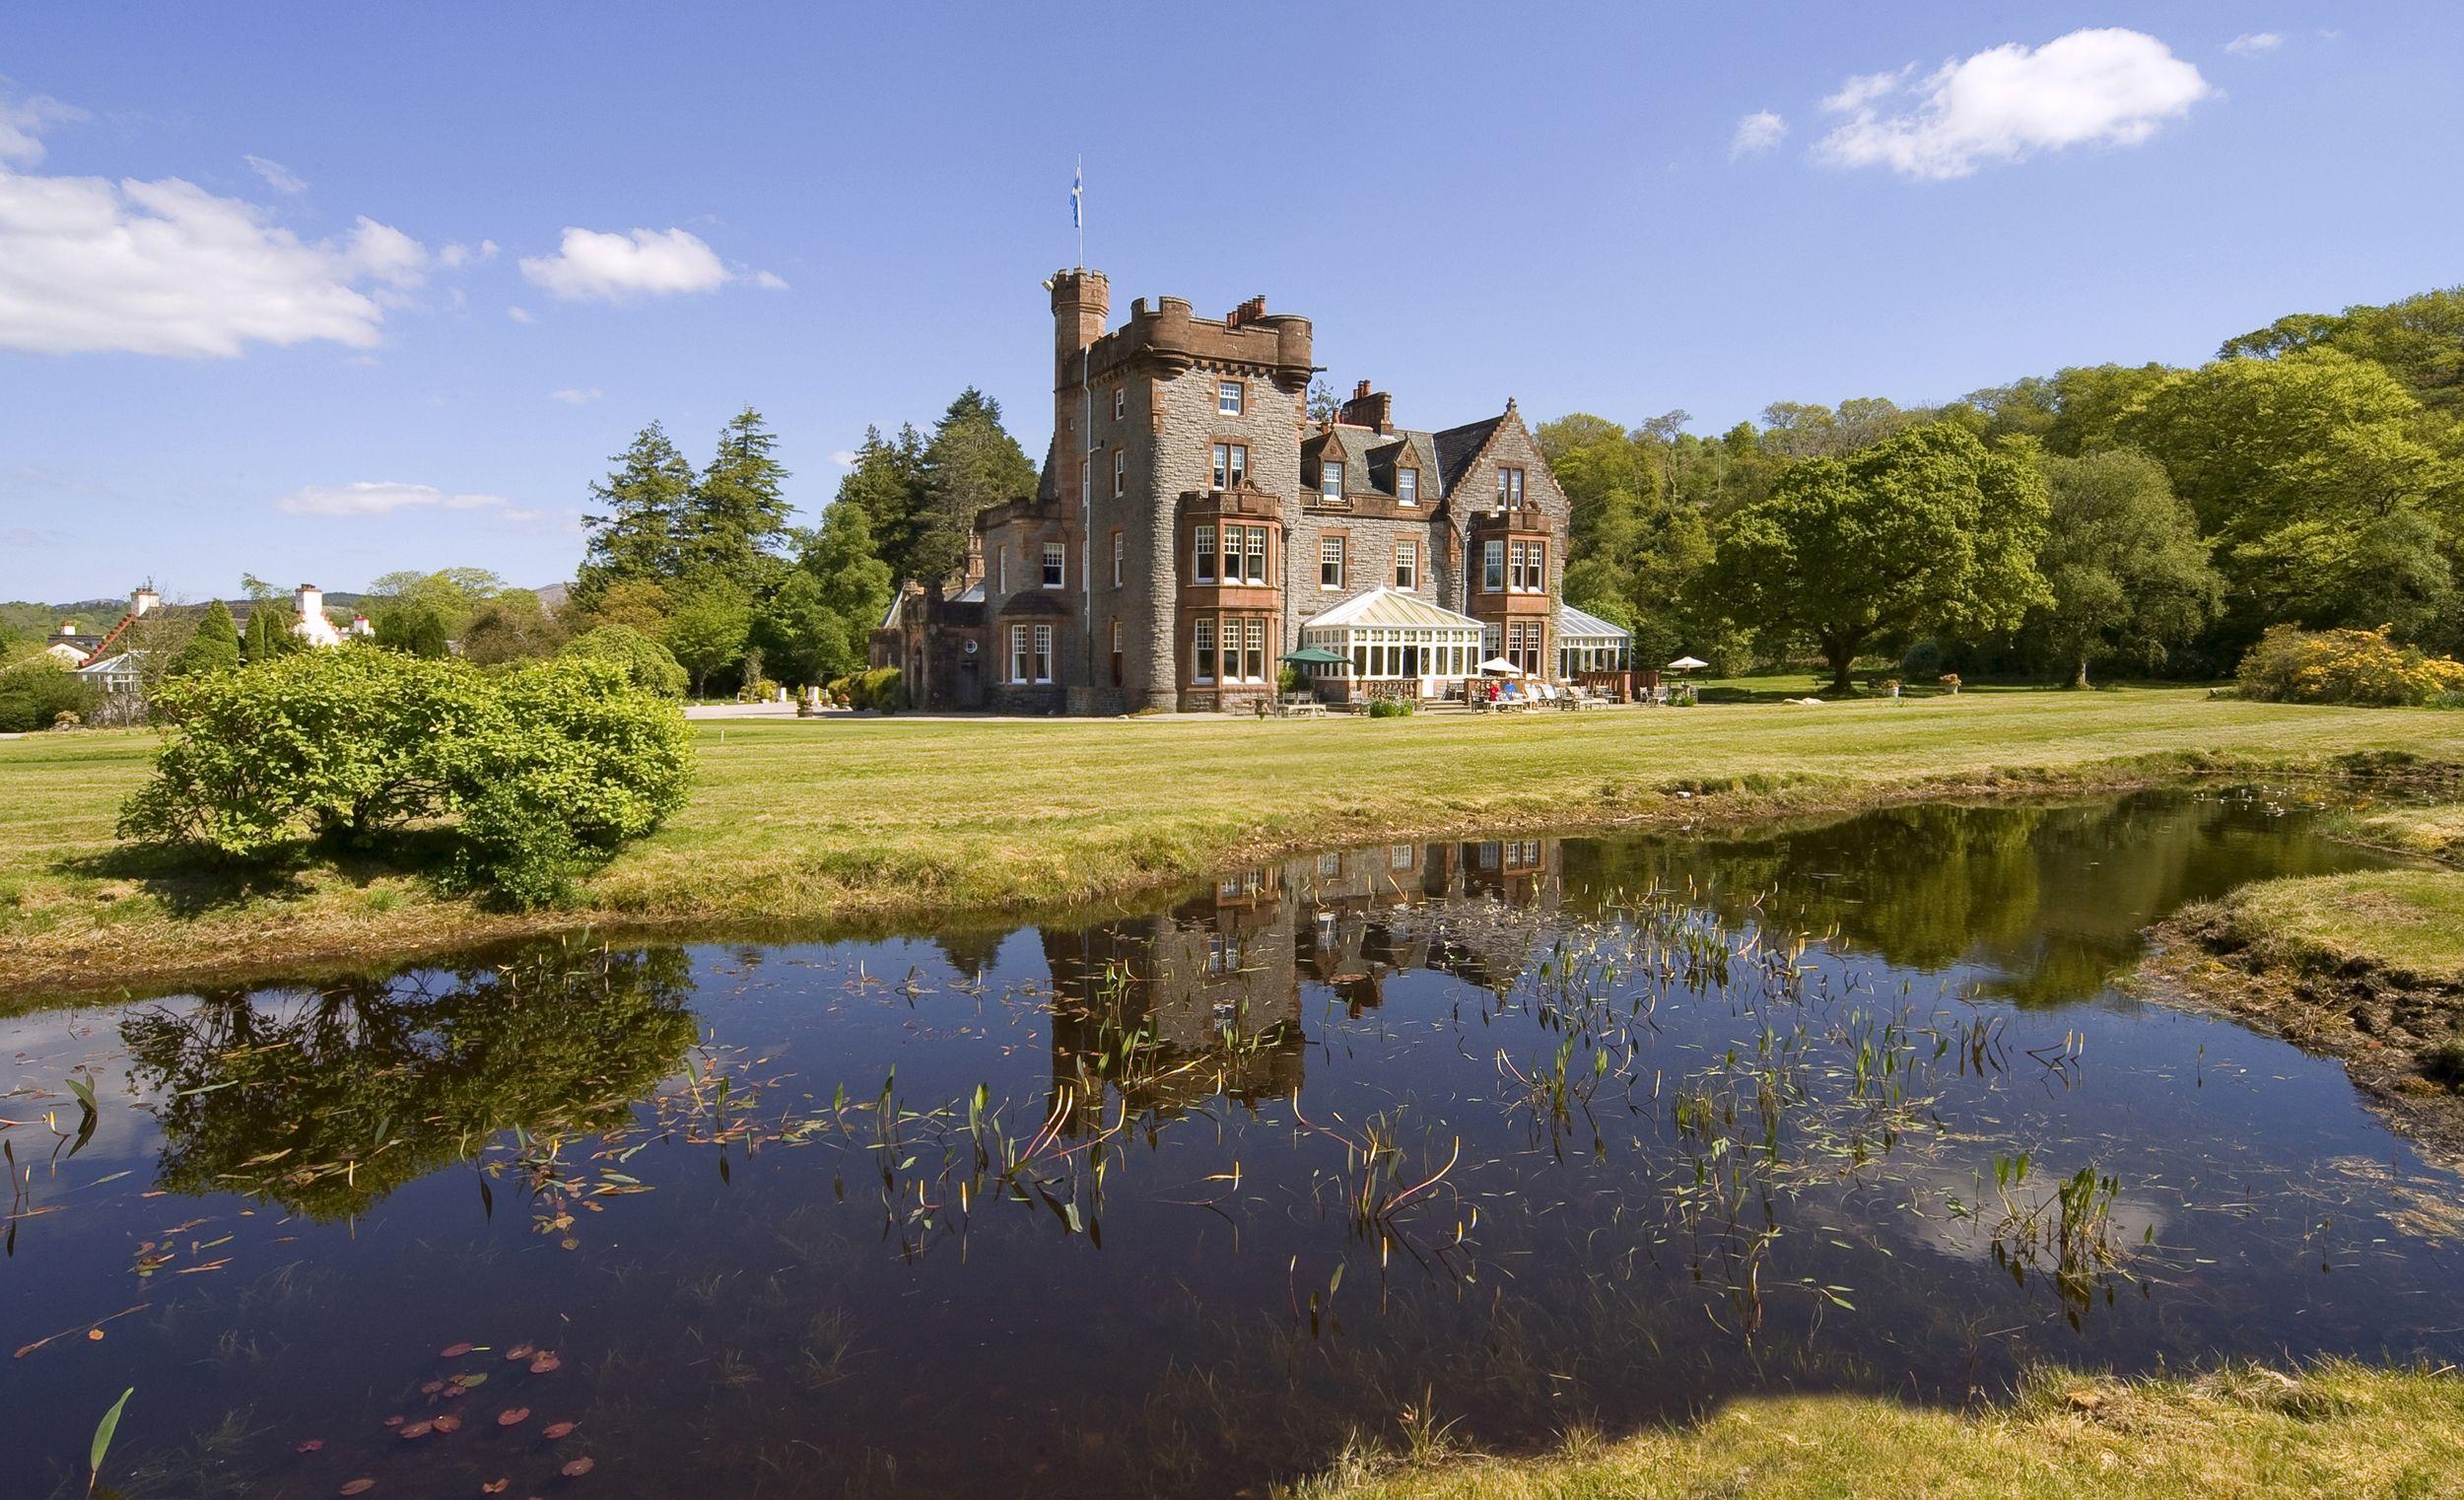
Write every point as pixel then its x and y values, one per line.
pixel 1206 997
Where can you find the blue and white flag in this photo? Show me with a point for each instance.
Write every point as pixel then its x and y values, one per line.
pixel 1077 192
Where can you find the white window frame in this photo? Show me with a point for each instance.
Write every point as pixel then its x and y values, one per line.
pixel 1231 399
pixel 1202 651
pixel 1120 556
pixel 1202 553
pixel 1509 488
pixel 1231 464
pixel 1018 654
pixel 1408 486
pixel 1055 564
pixel 1254 655
pixel 1492 567
pixel 1254 571
pixel 1331 555
pixel 1331 480
pixel 1120 402
pixel 1043 653
pixel 1406 565
pixel 1119 472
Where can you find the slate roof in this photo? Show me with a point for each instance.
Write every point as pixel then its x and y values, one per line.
pixel 1457 447
pixel 1374 457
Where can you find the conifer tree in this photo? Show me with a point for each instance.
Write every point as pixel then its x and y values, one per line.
pixel 269 635
pixel 215 647
pixel 640 505
pixel 888 484
pixel 736 513
pixel 970 463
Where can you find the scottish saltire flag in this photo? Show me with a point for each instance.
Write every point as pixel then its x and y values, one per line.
pixel 1077 192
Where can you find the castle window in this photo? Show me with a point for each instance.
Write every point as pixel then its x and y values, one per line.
pixel 1231 462
pixel 1018 654
pixel 1331 563
pixel 1202 654
pixel 1043 653
pixel 1119 554
pixel 1232 553
pixel 1120 402
pixel 1406 565
pixel 1492 567
pixel 1055 564
pixel 1255 658
pixel 1202 555
pixel 1257 569
pixel 1119 472
pixel 1407 486
pixel 1228 402
pixel 1331 480
pixel 1510 489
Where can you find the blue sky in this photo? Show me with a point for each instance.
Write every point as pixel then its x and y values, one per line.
pixel 209 363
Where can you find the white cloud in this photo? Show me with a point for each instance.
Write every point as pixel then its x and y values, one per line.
pixel 770 281
pixel 22 123
pixel 592 266
pixel 574 398
pixel 520 314
pixel 2099 87
pixel 166 267
pixel 2252 44
pixel 279 178
pixel 455 257
pixel 386 496
pixel 1755 134
pixel 845 458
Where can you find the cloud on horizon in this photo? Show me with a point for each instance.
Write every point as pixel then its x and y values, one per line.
pixel 2104 87
pixel 369 497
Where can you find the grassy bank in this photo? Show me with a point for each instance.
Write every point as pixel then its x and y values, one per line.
pixel 2334 1430
pixel 2366 966
pixel 818 822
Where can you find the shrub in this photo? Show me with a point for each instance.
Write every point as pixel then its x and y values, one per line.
pixel 33 695
pixel 2289 665
pixel 548 764
pixel 646 663
pixel 1391 708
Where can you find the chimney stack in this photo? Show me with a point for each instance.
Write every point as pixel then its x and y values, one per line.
pixel 142 603
pixel 1369 408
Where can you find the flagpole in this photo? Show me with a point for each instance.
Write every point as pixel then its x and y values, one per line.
pixel 1080 215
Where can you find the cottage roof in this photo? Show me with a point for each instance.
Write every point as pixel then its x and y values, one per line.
pixel 1389 609
pixel 1457 447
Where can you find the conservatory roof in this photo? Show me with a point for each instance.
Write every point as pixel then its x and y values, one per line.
pixel 1389 609
pixel 1578 625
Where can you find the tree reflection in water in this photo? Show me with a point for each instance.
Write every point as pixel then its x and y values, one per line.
pixel 326 1101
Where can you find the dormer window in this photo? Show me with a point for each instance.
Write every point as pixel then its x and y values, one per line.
pixel 1408 486
pixel 1331 480
pixel 1229 400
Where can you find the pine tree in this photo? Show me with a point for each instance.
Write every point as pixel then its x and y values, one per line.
pixel 269 635
pixel 737 512
pixel 888 484
pixel 215 647
pixel 970 463
pixel 641 504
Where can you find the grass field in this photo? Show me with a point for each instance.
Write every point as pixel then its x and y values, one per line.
pixel 2337 1430
pixel 816 822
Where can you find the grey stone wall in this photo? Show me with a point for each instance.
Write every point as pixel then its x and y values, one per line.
pixel 1368 563
pixel 1510 447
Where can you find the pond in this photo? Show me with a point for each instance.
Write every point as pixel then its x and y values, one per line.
pixel 1492 1139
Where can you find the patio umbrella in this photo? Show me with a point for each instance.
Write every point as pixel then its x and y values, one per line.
pixel 1314 655
pixel 1500 666
pixel 1686 663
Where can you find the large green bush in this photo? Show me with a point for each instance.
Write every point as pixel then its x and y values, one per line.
pixel 546 766
pixel 2359 667
pixel 646 663
pixel 35 694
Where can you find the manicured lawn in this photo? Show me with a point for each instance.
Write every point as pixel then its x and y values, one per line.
pixel 2337 1430
pixel 814 821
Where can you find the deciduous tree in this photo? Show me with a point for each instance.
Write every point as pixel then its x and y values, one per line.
pixel 2123 558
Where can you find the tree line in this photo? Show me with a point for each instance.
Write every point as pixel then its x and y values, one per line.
pixel 2139 517
pixel 709 564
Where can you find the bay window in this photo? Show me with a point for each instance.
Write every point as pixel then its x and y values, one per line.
pixel 1492 567
pixel 1202 651
pixel 1202 555
pixel 1043 653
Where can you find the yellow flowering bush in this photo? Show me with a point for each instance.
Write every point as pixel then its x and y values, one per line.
pixel 2290 664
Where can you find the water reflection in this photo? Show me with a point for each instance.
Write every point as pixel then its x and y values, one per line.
pixel 1509 1134
pixel 324 1101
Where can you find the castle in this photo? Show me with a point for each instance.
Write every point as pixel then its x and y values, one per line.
pixel 1193 528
